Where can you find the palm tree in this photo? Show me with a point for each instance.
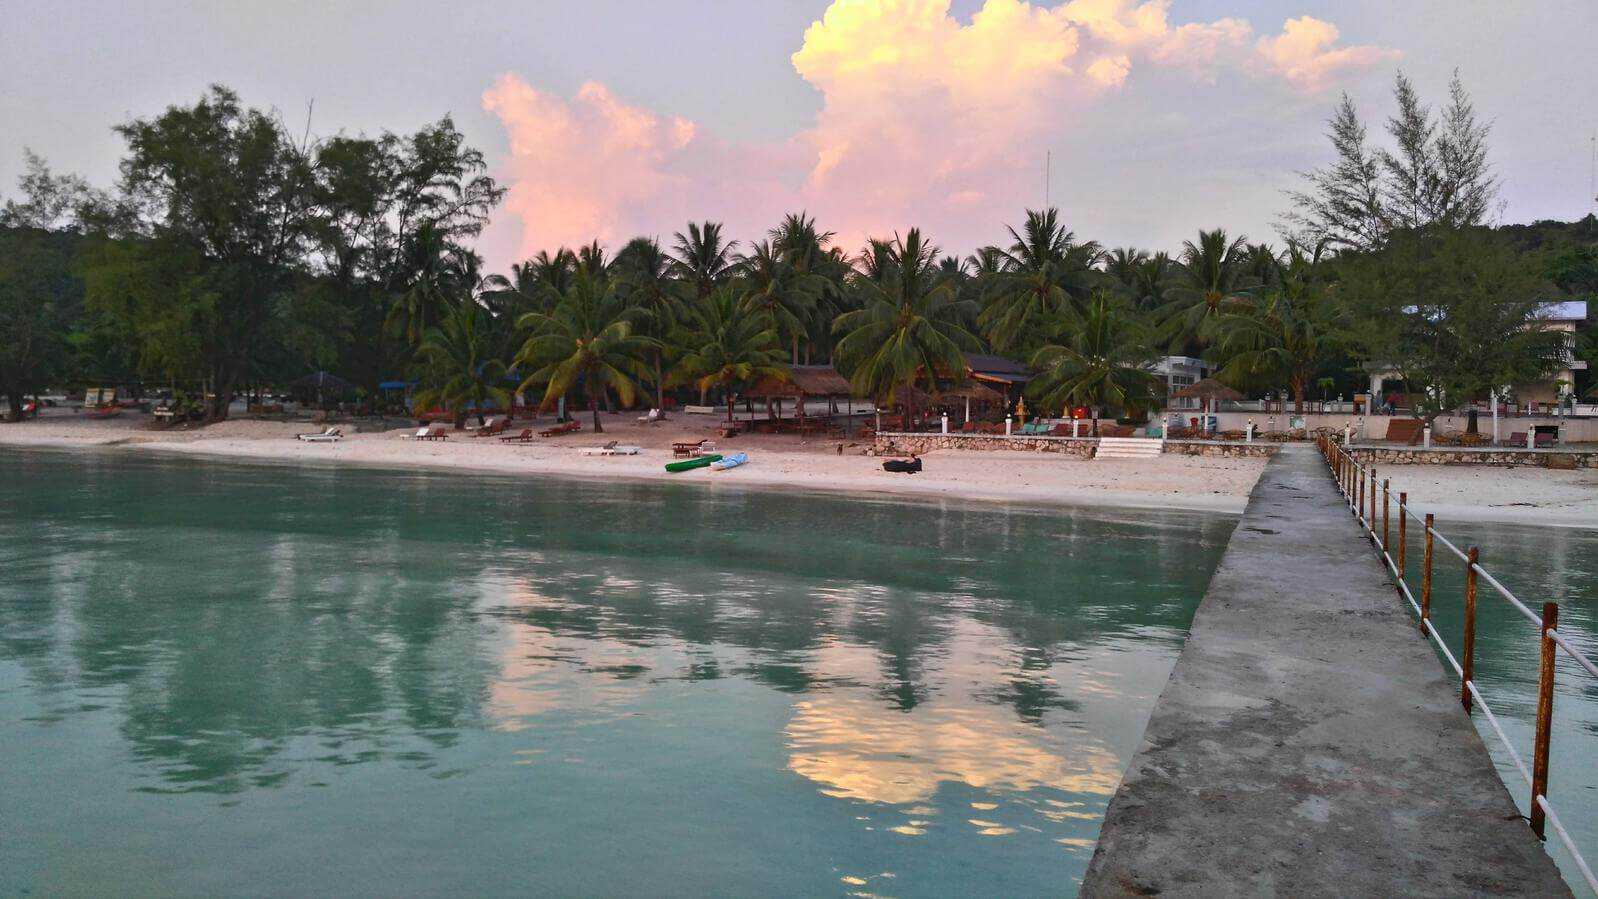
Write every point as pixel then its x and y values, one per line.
pixel 1042 272
pixel 1151 281
pixel 591 259
pixel 723 346
pixel 1212 278
pixel 442 272
pixel 701 259
pixel 800 242
pixel 1102 361
pixel 910 325
pixel 588 338
pixel 1123 263
pixel 644 271
pixel 1285 339
pixel 460 364
pixel 778 290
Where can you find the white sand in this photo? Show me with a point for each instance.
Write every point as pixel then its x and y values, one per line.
pixel 1517 495
pixel 1177 482
pixel 1478 493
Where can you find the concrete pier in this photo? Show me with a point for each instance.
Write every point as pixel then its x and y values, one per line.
pixel 1308 742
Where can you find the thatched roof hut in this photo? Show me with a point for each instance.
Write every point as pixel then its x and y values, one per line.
pixel 973 392
pixel 1208 389
pixel 801 381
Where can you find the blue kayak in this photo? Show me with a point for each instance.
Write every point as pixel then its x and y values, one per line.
pixel 732 461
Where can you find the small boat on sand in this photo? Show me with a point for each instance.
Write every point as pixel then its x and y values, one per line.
pixel 732 461
pixel 691 464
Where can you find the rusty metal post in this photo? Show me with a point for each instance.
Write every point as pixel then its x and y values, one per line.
pixel 1403 532
pixel 1373 504
pixel 1545 718
pixel 1467 656
pixel 1426 577
pixel 1386 482
pixel 1359 505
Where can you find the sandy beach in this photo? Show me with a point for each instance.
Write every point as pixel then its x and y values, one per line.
pixel 1520 495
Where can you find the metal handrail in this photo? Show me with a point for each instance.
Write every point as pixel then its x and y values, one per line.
pixel 1355 481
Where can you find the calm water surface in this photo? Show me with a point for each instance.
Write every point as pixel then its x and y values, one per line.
pixel 225 678
pixel 1537 565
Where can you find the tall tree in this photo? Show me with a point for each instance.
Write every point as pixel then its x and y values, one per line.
pixel 461 366
pixel 1101 358
pixel 703 260
pixel 644 271
pixel 1284 340
pixel 724 346
pixel 1453 312
pixel 1212 277
pixel 587 340
pixel 909 327
pixel 1042 271
pixel 780 291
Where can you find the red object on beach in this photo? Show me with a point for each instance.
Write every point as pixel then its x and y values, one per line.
pixel 557 430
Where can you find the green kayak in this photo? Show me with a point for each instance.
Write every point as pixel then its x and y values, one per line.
pixel 695 462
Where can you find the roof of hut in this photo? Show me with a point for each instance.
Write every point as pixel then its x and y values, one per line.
pixel 973 391
pixel 803 380
pixel 1208 389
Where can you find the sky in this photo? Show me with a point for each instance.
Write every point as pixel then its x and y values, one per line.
pixel 1142 121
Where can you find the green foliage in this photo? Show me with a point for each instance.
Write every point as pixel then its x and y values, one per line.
pixel 460 366
pixel 909 327
pixel 1044 270
pixel 37 292
pixel 1286 336
pixel 1100 358
pixel 724 346
pixel 1453 311
pixel 587 340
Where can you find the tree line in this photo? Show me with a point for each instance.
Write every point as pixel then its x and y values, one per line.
pixel 232 254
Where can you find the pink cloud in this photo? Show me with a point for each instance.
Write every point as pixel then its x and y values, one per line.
pixel 925 120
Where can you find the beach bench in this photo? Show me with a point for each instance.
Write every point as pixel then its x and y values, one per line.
pixel 494 427
pixel 432 434
pixel 1518 438
pixel 525 435
pixel 686 448
pixel 560 429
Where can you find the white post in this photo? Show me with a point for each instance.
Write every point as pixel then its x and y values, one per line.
pixel 1427 431
pixel 1494 397
pixel 1075 423
pixel 1346 430
pixel 967 410
pixel 1007 422
pixel 1248 432
pixel 946 423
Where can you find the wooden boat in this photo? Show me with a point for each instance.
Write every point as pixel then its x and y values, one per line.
pixel 732 461
pixel 691 464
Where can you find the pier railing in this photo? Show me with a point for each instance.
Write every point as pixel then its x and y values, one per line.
pixel 1360 487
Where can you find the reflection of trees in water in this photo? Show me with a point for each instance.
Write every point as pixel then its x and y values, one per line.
pixel 251 617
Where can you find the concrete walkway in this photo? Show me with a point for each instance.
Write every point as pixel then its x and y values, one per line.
pixel 1308 743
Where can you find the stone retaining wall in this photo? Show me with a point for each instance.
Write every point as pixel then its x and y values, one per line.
pixel 900 444
pixel 1454 456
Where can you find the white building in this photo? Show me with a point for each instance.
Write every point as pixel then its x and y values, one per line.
pixel 1179 372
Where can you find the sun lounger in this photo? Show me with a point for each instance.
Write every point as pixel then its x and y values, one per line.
pixel 558 430
pixel 525 435
pixel 431 434
pixel 494 427
pixel 692 448
pixel 653 416
pixel 421 434
pixel 331 435
pixel 1518 438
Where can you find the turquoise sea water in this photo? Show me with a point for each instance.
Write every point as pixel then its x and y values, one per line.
pixel 1538 565
pixel 222 679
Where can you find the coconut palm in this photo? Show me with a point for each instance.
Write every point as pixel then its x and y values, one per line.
pixel 780 291
pixel 1285 338
pixel 443 272
pixel 724 346
pixel 1101 360
pixel 701 259
pixel 644 275
pixel 1123 263
pixel 800 242
pixel 1212 278
pixel 1042 272
pixel 460 363
pixel 588 339
pixel 909 327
